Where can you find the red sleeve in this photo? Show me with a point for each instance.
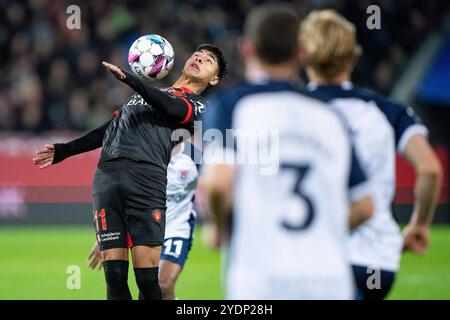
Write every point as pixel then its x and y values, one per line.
pixel 188 104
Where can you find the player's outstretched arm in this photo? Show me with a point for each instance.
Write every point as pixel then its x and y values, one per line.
pixel 173 106
pixel 428 180
pixel 55 153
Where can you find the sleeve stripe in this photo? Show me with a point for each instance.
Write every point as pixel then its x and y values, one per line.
pixel 411 131
pixel 189 113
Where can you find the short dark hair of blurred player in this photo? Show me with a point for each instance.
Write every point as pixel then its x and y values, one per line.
pixel 289 227
pixel 129 187
pixel 330 50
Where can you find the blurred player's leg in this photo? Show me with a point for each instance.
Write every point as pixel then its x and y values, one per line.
pixel 168 276
pixel 146 269
pixel 174 255
pixel 115 266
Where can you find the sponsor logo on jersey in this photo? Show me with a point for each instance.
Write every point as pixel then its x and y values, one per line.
pixel 136 99
pixel 110 236
pixel 199 107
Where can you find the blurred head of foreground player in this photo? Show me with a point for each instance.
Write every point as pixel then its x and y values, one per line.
pixel 269 45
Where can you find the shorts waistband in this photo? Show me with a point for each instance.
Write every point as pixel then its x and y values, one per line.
pixel 126 162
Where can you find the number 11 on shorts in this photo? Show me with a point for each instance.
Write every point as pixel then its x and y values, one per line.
pixel 102 215
pixel 174 250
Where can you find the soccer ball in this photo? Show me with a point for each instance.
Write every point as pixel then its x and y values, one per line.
pixel 151 57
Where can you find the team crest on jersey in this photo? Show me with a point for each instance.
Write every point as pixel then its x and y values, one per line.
pixel 156 215
pixel 183 174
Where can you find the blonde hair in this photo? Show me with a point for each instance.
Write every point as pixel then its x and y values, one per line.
pixel 329 41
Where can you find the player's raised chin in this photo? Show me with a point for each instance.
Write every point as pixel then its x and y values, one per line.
pixel 202 66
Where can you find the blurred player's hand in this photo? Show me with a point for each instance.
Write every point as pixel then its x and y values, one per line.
pixel 416 238
pixel 44 156
pixel 115 70
pixel 95 258
pixel 211 235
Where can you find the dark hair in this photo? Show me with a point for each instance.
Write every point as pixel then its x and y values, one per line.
pixel 273 29
pixel 219 55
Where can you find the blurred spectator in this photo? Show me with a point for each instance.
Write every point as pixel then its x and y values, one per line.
pixel 52 78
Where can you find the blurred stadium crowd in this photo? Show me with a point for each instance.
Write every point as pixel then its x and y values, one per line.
pixel 52 77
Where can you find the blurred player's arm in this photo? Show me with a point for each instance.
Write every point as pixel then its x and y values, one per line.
pixel 426 192
pixel 216 184
pixel 176 107
pixel 412 143
pixel 361 203
pixel 360 211
pixel 55 153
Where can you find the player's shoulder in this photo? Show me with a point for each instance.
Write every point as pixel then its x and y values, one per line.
pixel 384 103
pixel 321 101
pixel 222 102
pixel 348 90
pixel 228 97
pixel 318 99
pixel 198 103
pixel 182 92
pixel 395 112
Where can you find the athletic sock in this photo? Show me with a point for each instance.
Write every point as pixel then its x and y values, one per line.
pixel 148 283
pixel 116 276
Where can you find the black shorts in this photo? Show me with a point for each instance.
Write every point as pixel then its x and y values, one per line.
pixel 129 205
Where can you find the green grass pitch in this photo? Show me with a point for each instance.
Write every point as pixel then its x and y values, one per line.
pixel 34 263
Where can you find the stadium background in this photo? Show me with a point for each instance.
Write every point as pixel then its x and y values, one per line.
pixel 52 88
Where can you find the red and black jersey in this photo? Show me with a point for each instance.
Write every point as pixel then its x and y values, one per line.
pixel 143 127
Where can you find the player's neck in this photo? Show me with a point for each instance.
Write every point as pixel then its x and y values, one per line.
pixel 280 72
pixel 186 82
pixel 321 81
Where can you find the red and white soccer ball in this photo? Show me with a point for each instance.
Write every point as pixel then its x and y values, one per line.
pixel 151 57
